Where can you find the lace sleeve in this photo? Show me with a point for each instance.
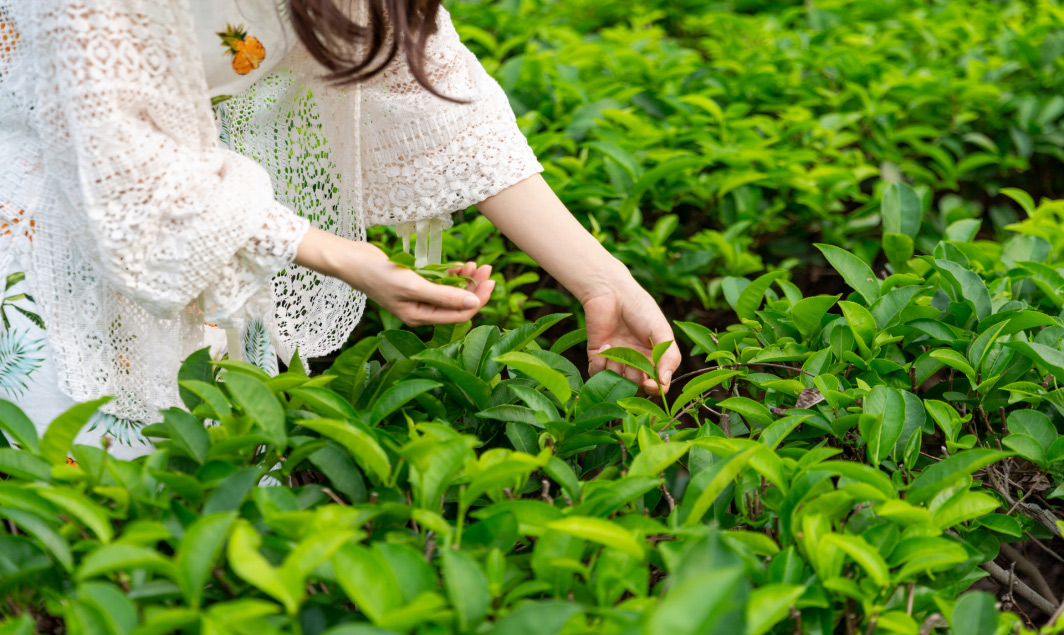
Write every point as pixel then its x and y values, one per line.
pixel 131 149
pixel 422 156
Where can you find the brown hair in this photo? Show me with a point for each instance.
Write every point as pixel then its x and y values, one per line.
pixel 330 36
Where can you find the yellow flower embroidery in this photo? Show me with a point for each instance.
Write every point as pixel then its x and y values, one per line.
pixel 246 50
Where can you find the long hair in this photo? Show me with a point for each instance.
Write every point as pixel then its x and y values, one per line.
pixel 332 37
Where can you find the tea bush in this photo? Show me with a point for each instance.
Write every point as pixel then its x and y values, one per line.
pixel 868 440
pixel 706 139
pixel 843 463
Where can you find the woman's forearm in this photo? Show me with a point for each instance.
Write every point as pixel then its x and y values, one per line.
pixel 531 215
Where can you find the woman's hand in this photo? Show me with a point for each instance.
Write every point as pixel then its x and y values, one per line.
pixel 415 300
pixel 401 291
pixel 619 312
pixel 625 315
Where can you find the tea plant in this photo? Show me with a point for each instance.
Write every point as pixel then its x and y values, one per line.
pixel 840 465
pixel 885 457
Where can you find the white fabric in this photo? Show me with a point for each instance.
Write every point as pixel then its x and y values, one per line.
pixel 144 227
pixel 28 373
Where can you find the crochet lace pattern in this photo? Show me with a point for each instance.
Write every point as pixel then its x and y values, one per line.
pixel 145 227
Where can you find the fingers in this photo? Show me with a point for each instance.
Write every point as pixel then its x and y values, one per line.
pixel 428 303
pixel 478 276
pixel 597 363
pixel 465 271
pixel 482 285
pixel 443 297
pixel 670 361
pixel 634 375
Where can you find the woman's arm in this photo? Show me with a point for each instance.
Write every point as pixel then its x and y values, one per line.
pixel 171 216
pixel 161 213
pixel 619 312
pixel 402 292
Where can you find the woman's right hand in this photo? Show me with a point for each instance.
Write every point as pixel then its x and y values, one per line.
pixel 399 290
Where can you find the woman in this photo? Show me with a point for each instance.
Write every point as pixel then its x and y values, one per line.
pixel 130 232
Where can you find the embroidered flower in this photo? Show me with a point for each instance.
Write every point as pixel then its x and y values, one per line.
pixel 246 50
pixel 15 223
pixel 9 39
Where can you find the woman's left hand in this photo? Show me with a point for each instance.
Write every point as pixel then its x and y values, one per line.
pixel 626 315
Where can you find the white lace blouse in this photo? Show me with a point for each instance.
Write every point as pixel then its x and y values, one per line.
pixel 142 227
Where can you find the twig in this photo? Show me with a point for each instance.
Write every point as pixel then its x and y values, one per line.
pixel 909 601
pixel 430 546
pixel 1056 615
pixel 331 494
pixel 933 620
pixel 1017 503
pixel 545 494
pixel 676 417
pixel 1032 572
pixel 1012 583
pixel 1045 518
pixel 1002 577
pixel 872 625
pixel 742 365
pixel 986 422
pixel 796 615
pixel 711 411
pixel 220 576
pixel 770 365
pixel 1038 543
pixel 413 523
pixel 851 626
pixel 668 497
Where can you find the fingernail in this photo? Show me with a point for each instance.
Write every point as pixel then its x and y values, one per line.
pixel 470 301
pixel 666 377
